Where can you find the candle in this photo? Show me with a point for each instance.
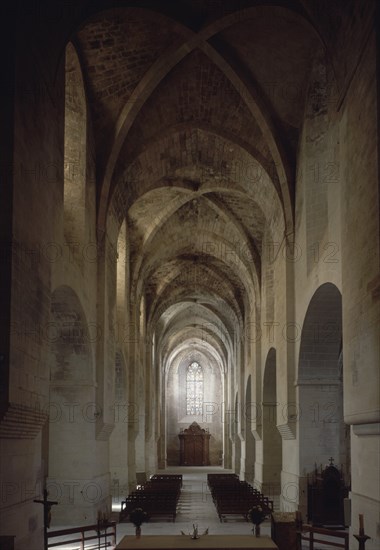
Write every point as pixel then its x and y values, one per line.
pixel 361 524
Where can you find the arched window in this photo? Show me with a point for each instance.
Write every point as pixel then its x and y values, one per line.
pixel 194 389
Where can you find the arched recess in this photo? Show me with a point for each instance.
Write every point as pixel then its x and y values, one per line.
pixel 322 432
pixel 250 445
pixel 72 412
pixel 272 441
pixel 183 387
pixel 75 142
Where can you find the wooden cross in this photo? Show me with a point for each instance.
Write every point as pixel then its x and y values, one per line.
pixel 47 504
pixel 331 461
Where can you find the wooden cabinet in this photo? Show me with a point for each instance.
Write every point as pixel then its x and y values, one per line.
pixel 326 494
pixel 194 446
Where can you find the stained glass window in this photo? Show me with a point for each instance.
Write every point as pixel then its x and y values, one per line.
pixel 194 389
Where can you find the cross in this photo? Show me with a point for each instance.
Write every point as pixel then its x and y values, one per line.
pixel 331 461
pixel 47 504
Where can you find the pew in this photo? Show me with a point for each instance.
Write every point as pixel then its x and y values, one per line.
pixel 158 497
pixel 234 497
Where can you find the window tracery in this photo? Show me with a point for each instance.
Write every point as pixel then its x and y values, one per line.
pixel 194 389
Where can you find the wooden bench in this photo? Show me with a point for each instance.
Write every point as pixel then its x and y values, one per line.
pixel 158 497
pixel 234 497
pixel 167 477
pixel 153 505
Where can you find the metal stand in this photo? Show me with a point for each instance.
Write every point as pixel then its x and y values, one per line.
pixel 362 538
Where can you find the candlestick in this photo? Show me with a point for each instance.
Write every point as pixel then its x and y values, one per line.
pixel 361 524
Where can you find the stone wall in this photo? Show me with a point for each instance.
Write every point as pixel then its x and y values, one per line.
pixel 360 282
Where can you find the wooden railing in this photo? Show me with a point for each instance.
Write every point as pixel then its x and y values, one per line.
pixel 327 533
pixel 90 536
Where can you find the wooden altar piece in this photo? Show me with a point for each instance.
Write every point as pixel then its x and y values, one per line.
pixel 326 494
pixel 194 446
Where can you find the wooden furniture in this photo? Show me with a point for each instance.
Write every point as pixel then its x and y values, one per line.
pixel 283 530
pixel 233 497
pixel 326 494
pixel 101 535
pixel 158 497
pixel 194 446
pixel 313 535
pixel 167 477
pixel 7 542
pixel 179 542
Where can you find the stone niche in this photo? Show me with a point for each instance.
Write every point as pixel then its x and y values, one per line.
pixel 209 417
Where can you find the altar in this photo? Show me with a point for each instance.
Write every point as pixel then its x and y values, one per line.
pixel 180 542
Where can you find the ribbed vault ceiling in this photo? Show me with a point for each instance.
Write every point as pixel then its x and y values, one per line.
pixel 196 122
